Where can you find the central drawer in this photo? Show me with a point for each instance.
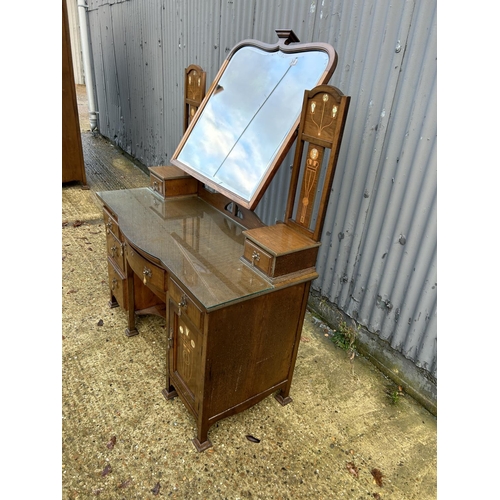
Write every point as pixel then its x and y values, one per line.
pixel 151 274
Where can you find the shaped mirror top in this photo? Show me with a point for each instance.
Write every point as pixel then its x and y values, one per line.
pixel 246 124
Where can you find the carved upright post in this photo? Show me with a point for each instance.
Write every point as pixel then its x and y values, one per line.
pixel 322 122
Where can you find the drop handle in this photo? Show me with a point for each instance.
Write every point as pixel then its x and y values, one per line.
pixel 181 305
pixel 147 273
pixel 114 283
pixel 113 250
pixel 255 257
pixel 109 225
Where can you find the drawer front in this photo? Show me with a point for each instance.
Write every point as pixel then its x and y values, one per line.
pixel 169 187
pixel 157 184
pixel 185 305
pixel 259 258
pixel 151 274
pixel 117 285
pixel 116 250
pixel 110 224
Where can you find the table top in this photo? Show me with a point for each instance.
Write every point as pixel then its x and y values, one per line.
pixel 196 243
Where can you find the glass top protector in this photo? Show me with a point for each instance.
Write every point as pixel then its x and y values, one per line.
pixel 196 243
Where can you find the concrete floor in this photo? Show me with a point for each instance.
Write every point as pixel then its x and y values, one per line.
pixel 346 422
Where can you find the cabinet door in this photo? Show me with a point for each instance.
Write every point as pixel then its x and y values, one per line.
pixel 185 357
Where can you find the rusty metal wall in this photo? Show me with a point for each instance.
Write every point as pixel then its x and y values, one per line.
pixel 377 262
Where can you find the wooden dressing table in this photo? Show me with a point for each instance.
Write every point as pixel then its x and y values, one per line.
pixel 233 290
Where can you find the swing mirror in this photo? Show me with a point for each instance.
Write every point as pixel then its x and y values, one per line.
pixel 248 120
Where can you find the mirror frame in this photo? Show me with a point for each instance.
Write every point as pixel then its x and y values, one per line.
pixel 287 43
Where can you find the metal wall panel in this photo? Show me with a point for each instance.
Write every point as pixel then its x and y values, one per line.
pixel 380 267
pixel 377 262
pixel 191 36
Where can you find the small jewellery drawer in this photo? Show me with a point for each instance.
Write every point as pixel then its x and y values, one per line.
pixel 258 257
pixel 151 274
pixel 169 181
pixel 157 184
pixel 185 305
pixel 279 251
pixel 110 224
pixel 115 250
pixel 117 285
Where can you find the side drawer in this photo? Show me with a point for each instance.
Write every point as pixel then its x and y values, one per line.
pixel 151 274
pixel 185 305
pixel 280 251
pixel 169 181
pixel 115 250
pixel 258 257
pixel 110 224
pixel 117 285
pixel 157 184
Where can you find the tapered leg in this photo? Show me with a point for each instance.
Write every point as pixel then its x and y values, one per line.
pixel 131 329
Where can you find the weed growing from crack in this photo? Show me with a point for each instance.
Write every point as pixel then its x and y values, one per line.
pixel 395 394
pixel 345 337
pixel 394 397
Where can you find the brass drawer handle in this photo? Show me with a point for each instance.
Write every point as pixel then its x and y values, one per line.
pixel 109 226
pixel 155 186
pixel 147 273
pixel 255 257
pixel 113 250
pixel 182 304
pixel 114 283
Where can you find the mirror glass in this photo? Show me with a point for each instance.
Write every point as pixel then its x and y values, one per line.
pixel 249 115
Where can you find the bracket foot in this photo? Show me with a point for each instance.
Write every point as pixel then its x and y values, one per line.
pixel 202 446
pixel 131 333
pixel 283 401
pixel 169 394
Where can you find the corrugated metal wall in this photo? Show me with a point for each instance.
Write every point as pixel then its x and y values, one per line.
pixel 378 258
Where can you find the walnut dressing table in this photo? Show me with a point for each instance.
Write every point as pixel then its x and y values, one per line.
pixel 233 290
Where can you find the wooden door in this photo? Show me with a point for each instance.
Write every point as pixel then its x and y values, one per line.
pixel 185 363
pixel 73 167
